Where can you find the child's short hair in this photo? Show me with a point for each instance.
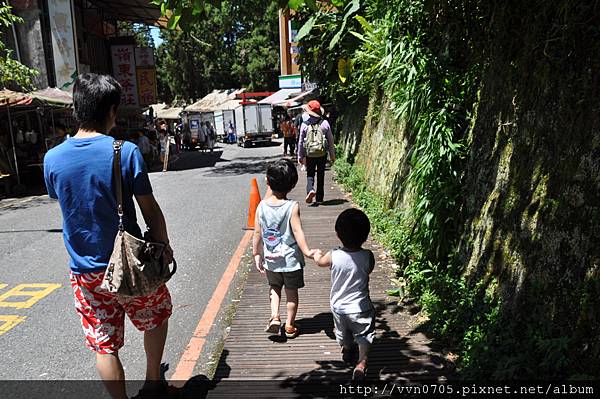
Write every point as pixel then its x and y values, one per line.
pixel 282 176
pixel 352 227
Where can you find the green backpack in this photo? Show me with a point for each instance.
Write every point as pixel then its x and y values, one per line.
pixel 315 142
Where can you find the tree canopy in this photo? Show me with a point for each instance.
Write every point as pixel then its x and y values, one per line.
pixel 231 45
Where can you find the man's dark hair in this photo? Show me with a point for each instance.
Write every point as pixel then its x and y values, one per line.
pixel 352 227
pixel 93 97
pixel 282 176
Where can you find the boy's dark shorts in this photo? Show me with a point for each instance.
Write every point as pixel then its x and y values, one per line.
pixel 292 280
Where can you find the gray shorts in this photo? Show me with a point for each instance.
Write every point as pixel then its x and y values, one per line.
pixel 291 280
pixel 359 327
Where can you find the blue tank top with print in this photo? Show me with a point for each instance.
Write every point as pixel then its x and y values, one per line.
pixel 281 250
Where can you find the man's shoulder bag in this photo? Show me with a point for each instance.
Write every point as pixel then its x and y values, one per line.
pixel 136 267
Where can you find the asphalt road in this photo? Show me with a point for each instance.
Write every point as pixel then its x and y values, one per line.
pixel 205 201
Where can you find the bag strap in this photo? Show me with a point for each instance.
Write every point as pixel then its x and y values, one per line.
pixel 117 145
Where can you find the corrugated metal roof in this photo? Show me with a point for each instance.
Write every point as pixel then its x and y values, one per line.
pixel 141 11
pixel 54 96
pixel 169 113
pixel 12 98
pixel 215 101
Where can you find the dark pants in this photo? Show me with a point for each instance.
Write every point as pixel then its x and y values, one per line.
pixel 291 143
pixel 316 165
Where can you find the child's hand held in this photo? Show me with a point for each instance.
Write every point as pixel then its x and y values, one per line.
pixel 258 261
pixel 317 255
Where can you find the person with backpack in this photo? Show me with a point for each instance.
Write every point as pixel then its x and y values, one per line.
pixel 314 144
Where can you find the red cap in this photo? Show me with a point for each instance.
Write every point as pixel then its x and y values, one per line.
pixel 314 105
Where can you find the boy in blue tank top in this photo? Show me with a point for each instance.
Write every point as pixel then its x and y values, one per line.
pixel 279 244
pixel 351 265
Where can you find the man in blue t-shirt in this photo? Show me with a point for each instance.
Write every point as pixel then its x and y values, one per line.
pixel 79 173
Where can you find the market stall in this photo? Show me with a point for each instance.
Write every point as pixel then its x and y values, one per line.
pixel 28 128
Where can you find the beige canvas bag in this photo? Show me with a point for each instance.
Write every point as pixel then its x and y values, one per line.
pixel 136 267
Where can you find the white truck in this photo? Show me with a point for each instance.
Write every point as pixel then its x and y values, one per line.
pixel 222 119
pixel 254 124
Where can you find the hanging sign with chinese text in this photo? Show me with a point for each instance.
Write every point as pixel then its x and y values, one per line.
pixel 144 57
pixel 123 61
pixel 146 81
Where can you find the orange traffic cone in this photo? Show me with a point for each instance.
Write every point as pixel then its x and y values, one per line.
pixel 254 201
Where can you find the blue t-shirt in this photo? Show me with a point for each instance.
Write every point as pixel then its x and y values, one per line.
pixel 79 173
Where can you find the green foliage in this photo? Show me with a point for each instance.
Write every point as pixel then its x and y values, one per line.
pixel 12 72
pixel 141 33
pixel 427 59
pixel 326 38
pixel 184 13
pixel 233 45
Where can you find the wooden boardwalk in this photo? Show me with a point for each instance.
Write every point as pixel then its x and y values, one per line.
pixel 273 366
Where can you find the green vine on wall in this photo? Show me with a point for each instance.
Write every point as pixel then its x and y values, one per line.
pixel 399 54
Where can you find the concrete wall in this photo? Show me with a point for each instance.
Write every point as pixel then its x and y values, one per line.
pixel 31 46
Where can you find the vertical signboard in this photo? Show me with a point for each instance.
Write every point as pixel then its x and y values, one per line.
pixel 294 27
pixel 63 42
pixel 123 60
pixel 144 57
pixel 146 82
pixel 146 75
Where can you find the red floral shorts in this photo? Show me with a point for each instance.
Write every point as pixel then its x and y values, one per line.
pixel 103 314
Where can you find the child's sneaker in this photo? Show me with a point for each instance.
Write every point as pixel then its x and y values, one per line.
pixel 273 325
pixel 292 331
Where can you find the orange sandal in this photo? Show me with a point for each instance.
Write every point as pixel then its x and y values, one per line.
pixel 291 331
pixel 273 325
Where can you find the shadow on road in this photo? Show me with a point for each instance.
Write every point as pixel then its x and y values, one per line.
pixel 32 231
pixel 193 160
pixel 16 204
pixel 334 202
pixel 244 166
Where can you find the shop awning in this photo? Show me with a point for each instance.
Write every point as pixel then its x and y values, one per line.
pixel 54 96
pixel 295 101
pixel 280 97
pixel 12 98
pixel 169 113
pixel 214 101
pixel 140 11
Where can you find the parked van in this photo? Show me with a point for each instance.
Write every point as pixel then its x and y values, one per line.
pixel 254 124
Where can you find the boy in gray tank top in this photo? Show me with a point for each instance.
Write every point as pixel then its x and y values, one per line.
pixel 279 245
pixel 351 265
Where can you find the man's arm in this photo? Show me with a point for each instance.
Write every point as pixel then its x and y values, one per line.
pixel 330 142
pixel 48 180
pixel 155 220
pixel 301 150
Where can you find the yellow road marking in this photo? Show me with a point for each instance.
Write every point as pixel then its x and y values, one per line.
pixel 8 322
pixel 2 286
pixel 35 292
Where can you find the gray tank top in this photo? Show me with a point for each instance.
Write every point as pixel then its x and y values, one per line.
pixel 350 281
pixel 281 250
